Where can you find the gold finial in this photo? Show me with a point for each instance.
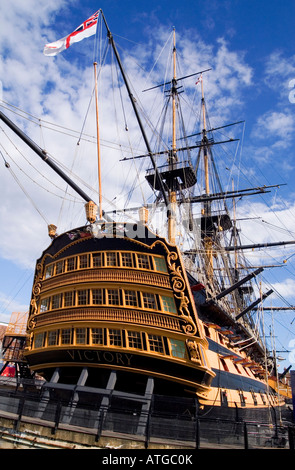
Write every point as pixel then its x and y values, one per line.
pixel 91 211
pixel 52 230
pixel 143 215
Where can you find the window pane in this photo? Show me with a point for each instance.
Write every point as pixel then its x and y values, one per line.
pixel 71 264
pixel 66 336
pixel 160 264
pixel 52 337
pixel 83 297
pixel 134 339
pixel 130 297
pixel 168 304
pixel 56 301
pixel 80 335
pixel 97 336
pixel 113 296
pixel 39 340
pixel 84 261
pixel 97 296
pixel 149 300
pixel 143 261
pixel 97 260
pixel 69 299
pixel 44 306
pixel 126 259
pixel 156 343
pixel 48 271
pixel 115 337
pixel 111 259
pixel 177 348
pixel 59 267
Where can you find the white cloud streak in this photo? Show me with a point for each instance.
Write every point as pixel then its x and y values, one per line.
pixel 59 91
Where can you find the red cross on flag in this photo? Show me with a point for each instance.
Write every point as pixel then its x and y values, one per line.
pixel 85 30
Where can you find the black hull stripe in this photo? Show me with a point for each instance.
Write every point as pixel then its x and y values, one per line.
pixel 225 379
pixel 231 381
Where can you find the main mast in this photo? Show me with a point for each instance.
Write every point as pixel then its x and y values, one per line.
pixel 98 141
pixel 173 156
pixel 206 210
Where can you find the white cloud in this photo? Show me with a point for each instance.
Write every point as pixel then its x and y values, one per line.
pixel 286 288
pixel 9 305
pixel 272 133
pixel 279 69
pixel 274 125
pixel 59 91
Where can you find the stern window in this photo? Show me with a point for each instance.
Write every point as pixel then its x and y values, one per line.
pixel 160 264
pixel 126 260
pixel 113 296
pixel 80 335
pixel 39 340
pixel 66 336
pixel 143 262
pixel 134 339
pixel 52 337
pixel 97 336
pixel 149 300
pixel 156 343
pixel 177 348
pixel 115 337
pixel 168 304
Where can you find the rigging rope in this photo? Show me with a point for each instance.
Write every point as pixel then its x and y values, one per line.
pixel 7 165
pixel 27 175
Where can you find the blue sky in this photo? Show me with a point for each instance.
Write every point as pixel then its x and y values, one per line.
pixel 251 49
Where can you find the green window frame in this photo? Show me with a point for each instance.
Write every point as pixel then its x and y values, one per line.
pixel 168 304
pixel 177 348
pixel 160 264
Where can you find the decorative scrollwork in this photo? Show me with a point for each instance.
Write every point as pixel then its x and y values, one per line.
pixel 179 286
pixel 32 322
pixel 35 295
pixel 189 328
pixel 178 282
pixel 37 289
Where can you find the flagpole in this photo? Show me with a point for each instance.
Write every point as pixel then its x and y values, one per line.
pixel 98 142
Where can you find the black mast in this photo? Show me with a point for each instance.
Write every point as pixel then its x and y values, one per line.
pixel 42 154
pixel 133 102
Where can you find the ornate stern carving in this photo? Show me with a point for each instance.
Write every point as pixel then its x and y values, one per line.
pixel 193 351
pixel 35 296
pixel 179 286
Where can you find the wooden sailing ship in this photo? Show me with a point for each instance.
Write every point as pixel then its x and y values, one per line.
pixel 115 296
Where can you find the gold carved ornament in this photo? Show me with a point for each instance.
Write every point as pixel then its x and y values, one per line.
pixel 35 296
pixel 179 286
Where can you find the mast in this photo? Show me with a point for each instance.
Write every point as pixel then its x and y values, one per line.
pixel 98 143
pixel 206 165
pixel 134 106
pixel 173 157
pixel 206 211
pixel 44 156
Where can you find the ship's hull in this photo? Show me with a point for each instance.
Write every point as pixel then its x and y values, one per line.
pixel 107 302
